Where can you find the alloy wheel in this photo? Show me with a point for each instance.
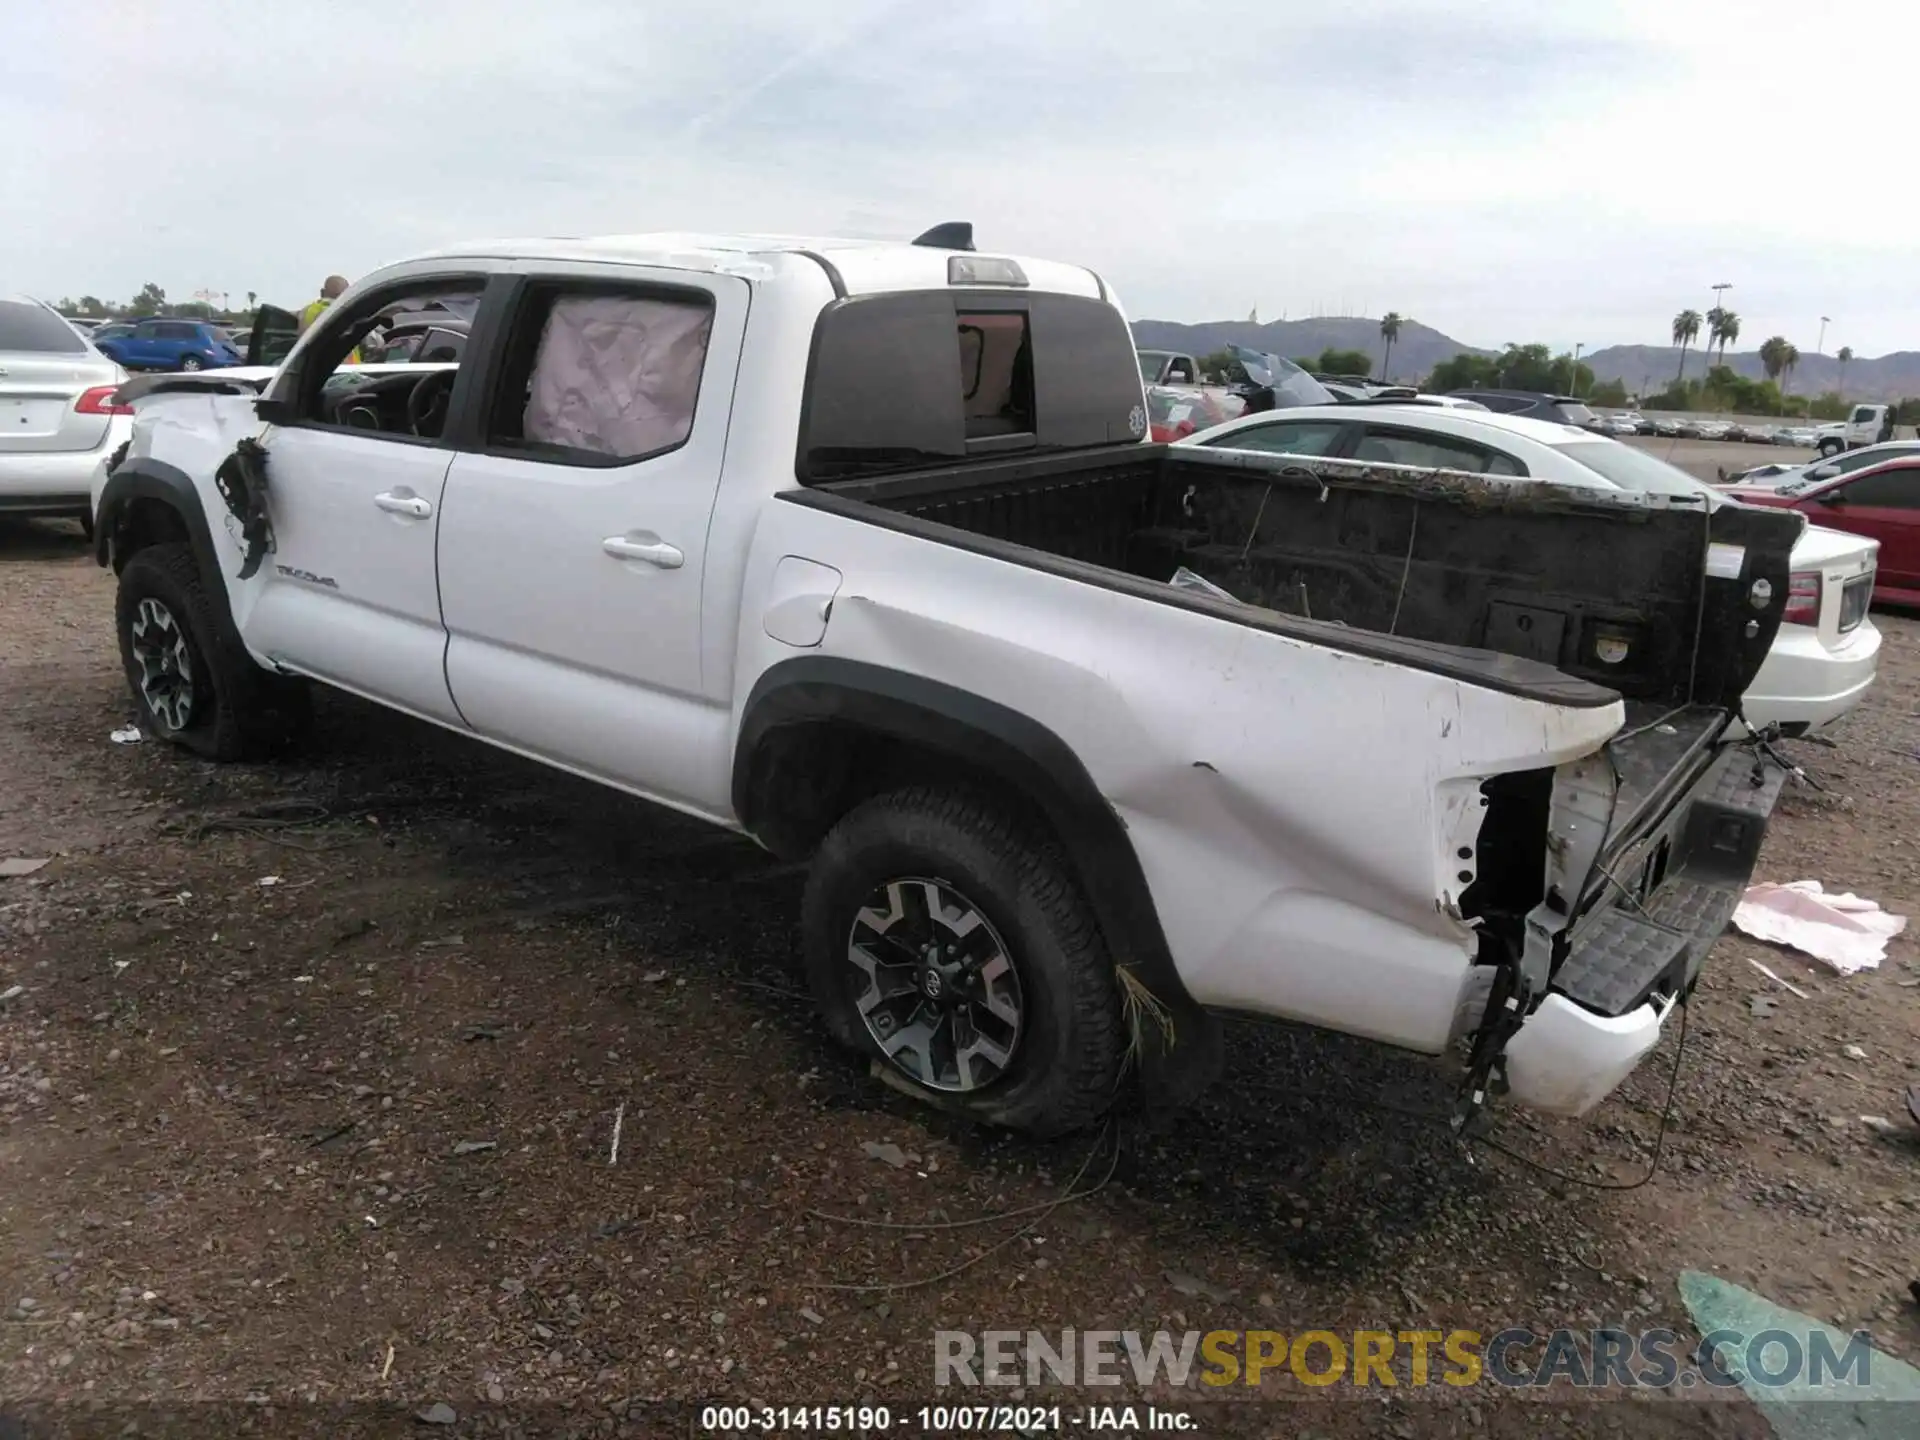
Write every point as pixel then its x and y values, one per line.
pixel 166 664
pixel 939 993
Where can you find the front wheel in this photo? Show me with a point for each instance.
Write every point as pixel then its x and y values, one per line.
pixel 1830 448
pixel 950 943
pixel 192 362
pixel 193 684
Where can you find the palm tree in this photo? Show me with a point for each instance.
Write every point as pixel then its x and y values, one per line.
pixel 1846 354
pixel 1389 331
pixel 1773 355
pixel 1686 330
pixel 1790 359
pixel 1715 318
pixel 253 301
pixel 1729 332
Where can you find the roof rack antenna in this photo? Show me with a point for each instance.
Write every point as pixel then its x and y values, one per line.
pixel 948 235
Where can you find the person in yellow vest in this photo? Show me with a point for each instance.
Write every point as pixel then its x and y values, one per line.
pixel 331 290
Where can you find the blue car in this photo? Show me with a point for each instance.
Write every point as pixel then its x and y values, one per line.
pixel 159 344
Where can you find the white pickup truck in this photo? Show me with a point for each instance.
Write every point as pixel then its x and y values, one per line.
pixel 1864 425
pixel 856 548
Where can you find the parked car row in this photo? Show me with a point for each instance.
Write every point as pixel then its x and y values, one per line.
pixel 1688 427
pixel 1867 425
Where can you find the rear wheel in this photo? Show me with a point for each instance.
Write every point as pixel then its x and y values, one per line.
pixel 192 683
pixel 950 943
pixel 192 362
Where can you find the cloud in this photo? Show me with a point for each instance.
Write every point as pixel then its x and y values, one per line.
pixel 1499 168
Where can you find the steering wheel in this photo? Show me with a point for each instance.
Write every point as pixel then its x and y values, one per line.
pixel 427 402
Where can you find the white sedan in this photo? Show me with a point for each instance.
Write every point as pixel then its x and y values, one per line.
pixel 1819 666
pixel 58 415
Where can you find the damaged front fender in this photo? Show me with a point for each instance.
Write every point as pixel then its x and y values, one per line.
pixel 242 483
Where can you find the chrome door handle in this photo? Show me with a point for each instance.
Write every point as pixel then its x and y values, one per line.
pixel 412 505
pixel 654 552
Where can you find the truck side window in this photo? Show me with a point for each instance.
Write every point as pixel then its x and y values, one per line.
pixel 336 389
pixel 595 375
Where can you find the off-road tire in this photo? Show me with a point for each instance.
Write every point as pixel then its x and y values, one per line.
pixel 238 711
pixel 1065 1069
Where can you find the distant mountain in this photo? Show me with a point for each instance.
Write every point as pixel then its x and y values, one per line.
pixel 1418 350
pixel 1883 377
pixel 1421 347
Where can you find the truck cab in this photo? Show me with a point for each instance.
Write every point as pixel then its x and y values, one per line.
pixel 1864 425
pixel 1168 367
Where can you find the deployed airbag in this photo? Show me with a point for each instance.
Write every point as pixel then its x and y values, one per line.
pixel 617 375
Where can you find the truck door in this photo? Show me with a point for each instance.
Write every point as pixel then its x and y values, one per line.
pixel 573 547
pixel 272 336
pixel 356 463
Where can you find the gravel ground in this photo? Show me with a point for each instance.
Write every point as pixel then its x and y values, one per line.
pixel 310 1096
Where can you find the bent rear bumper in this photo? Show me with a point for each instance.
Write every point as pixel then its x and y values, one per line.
pixel 1566 1059
pixel 1676 889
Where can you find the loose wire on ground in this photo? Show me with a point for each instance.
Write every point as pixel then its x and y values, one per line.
pixel 1659 1139
pixel 1039 1212
pixel 274 822
pixel 1411 1113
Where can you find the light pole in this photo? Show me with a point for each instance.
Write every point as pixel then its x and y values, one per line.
pixel 1578 346
pixel 1719 296
pixel 1820 345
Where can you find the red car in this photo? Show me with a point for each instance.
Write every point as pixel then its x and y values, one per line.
pixel 1881 502
pixel 1177 412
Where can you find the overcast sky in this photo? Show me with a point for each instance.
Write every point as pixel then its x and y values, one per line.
pixel 1501 169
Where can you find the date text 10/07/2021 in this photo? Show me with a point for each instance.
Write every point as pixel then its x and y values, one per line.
pixel 940 1419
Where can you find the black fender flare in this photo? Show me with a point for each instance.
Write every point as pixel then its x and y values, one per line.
pixel 1033 762
pixel 147 479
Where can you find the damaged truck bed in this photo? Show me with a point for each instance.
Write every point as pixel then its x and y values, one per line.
pixel 1417 758
pixel 1596 889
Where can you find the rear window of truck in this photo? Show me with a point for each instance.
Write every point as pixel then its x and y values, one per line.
pixel 928 377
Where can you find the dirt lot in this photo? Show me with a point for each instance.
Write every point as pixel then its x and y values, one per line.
pixel 1705 459
pixel 310 1096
